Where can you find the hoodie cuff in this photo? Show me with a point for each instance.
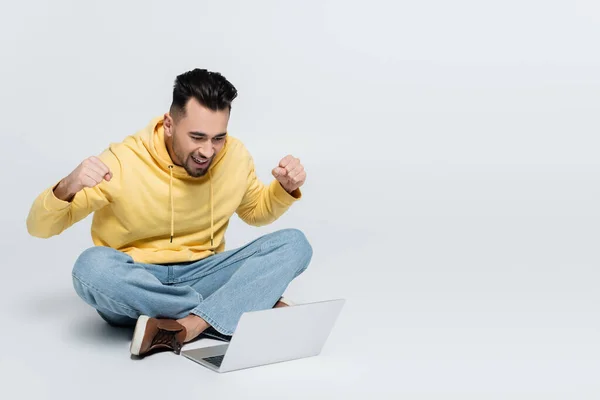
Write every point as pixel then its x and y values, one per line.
pixel 53 203
pixel 282 196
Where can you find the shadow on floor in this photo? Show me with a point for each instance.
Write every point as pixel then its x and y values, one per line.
pixel 53 304
pixel 94 329
pixel 81 322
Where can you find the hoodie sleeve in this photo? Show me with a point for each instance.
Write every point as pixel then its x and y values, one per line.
pixel 263 204
pixel 50 216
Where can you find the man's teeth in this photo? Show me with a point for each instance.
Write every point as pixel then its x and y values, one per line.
pixel 199 161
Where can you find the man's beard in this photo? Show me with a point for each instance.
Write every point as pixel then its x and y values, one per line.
pixel 193 170
pixel 189 165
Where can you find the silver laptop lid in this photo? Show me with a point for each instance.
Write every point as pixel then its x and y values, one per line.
pixel 281 334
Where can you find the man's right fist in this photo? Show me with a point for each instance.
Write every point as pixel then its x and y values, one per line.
pixel 87 174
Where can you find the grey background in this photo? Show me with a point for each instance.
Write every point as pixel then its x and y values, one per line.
pixel 452 192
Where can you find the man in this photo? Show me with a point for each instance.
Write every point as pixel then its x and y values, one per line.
pixel 162 199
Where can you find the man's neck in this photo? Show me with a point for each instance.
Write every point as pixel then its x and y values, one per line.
pixel 169 147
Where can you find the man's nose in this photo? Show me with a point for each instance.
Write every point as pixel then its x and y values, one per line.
pixel 207 149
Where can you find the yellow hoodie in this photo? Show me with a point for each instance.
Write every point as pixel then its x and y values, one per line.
pixel 154 211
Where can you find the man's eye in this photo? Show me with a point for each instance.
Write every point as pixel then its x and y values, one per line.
pixel 219 139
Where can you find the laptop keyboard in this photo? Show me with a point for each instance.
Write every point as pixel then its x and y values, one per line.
pixel 216 360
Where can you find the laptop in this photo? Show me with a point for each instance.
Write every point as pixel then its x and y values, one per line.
pixel 272 336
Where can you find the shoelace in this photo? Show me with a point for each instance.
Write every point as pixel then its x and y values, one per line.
pixel 168 338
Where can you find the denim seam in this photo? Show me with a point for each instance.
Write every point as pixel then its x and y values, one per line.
pixel 89 286
pixel 201 275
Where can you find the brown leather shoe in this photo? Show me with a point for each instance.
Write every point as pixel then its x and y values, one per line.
pixel 157 334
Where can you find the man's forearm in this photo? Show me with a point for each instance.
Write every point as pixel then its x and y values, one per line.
pixel 62 191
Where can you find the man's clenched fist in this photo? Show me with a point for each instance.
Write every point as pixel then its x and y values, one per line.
pixel 290 173
pixel 87 174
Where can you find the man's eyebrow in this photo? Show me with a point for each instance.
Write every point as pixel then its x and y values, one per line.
pixel 204 134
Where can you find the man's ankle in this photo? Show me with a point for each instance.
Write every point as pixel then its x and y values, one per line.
pixel 194 326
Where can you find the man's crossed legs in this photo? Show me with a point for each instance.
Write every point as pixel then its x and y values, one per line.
pixel 174 303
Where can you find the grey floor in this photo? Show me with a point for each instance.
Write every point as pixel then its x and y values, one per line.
pixel 466 285
pixel 453 192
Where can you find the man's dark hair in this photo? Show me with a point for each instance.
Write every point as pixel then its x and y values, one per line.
pixel 210 89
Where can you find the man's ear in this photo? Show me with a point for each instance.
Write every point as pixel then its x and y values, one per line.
pixel 168 124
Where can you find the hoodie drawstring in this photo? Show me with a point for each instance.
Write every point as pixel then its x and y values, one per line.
pixel 172 206
pixel 212 212
pixel 212 215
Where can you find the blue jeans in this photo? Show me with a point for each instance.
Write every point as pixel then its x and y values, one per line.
pixel 218 288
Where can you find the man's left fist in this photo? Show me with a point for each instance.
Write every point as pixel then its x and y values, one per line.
pixel 290 173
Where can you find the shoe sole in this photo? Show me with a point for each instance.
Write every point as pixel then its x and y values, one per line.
pixel 138 335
